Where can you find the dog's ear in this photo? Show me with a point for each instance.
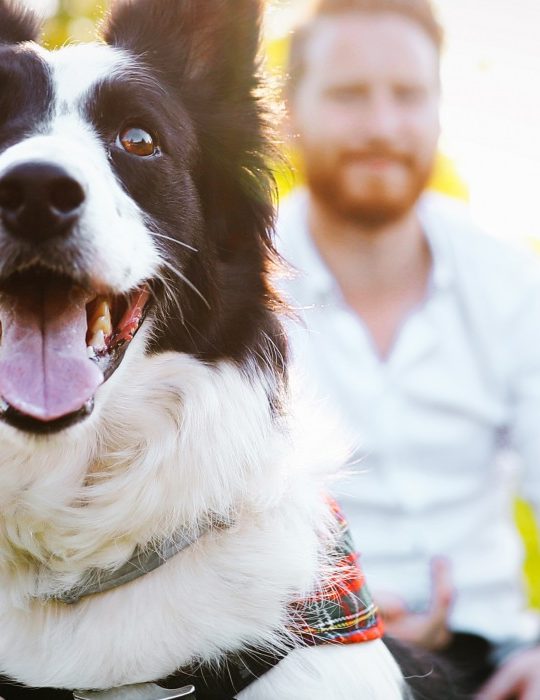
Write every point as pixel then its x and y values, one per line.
pixel 211 42
pixel 17 24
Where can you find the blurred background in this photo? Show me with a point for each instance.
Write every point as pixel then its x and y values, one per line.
pixel 490 147
pixel 491 108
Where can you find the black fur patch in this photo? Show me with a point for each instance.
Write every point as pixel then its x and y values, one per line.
pixel 428 677
pixel 26 93
pixel 12 691
pixel 17 24
pixel 212 187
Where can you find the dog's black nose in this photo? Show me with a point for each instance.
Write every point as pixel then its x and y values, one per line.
pixel 39 201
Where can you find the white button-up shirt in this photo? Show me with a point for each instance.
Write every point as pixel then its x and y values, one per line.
pixel 462 383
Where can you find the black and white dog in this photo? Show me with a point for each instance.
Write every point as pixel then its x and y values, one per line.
pixel 146 419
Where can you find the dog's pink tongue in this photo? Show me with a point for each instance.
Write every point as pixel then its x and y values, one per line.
pixel 45 372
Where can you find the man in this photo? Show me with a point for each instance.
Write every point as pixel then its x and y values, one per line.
pixel 422 333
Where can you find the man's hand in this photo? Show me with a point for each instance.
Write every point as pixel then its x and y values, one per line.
pixel 517 679
pixel 430 629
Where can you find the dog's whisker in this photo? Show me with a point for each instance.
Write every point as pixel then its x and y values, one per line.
pixel 186 281
pixel 172 298
pixel 175 240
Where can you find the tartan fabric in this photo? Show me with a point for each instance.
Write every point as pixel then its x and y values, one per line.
pixel 342 611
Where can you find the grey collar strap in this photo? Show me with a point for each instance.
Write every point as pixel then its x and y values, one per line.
pixel 143 561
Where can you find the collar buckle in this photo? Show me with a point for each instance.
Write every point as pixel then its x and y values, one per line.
pixel 140 691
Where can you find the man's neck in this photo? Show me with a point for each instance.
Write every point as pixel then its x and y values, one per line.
pixel 382 272
pixel 369 260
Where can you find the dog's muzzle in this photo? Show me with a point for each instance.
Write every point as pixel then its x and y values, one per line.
pixel 140 691
pixel 40 201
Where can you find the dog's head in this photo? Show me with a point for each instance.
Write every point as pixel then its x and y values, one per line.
pixel 133 191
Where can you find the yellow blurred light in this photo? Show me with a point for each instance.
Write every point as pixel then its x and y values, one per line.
pixel 82 29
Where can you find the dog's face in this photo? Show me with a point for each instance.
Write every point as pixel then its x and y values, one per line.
pixel 132 192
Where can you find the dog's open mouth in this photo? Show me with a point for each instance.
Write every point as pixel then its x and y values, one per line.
pixel 59 343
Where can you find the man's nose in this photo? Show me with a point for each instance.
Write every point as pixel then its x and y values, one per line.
pixel 40 201
pixel 381 120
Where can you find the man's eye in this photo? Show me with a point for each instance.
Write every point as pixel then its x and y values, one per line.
pixel 408 94
pixel 347 94
pixel 137 142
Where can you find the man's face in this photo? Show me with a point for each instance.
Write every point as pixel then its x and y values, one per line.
pixel 366 112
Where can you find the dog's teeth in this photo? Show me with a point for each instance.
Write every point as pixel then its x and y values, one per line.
pixel 98 340
pixel 103 323
pixel 101 320
pixel 103 307
pixel 90 352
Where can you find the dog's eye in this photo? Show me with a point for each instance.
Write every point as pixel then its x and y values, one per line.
pixel 137 141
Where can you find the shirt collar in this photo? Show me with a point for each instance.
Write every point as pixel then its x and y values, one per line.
pixel 310 266
pixel 320 280
pixel 434 226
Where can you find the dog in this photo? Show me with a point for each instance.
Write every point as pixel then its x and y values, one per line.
pixel 162 500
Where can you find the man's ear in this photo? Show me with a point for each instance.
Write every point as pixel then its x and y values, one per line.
pixel 17 24
pixel 212 43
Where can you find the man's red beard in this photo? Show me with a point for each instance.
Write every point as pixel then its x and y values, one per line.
pixel 374 200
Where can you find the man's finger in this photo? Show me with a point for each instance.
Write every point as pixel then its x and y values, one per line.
pixel 433 625
pixel 391 606
pixel 504 685
pixel 532 692
pixel 442 588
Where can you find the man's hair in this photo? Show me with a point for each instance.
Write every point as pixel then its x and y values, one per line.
pixel 419 11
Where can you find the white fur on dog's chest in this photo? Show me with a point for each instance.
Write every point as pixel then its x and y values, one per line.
pixel 363 671
pixel 198 604
pixel 231 585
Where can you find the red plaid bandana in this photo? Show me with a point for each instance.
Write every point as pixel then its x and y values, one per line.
pixel 342 611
